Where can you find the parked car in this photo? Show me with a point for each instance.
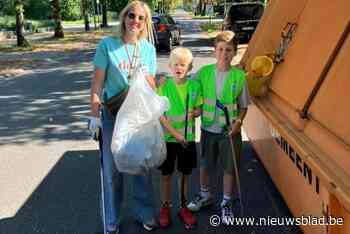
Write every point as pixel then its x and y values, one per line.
pixel 167 32
pixel 242 18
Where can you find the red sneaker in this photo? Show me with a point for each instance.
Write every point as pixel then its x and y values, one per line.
pixel 187 218
pixel 164 217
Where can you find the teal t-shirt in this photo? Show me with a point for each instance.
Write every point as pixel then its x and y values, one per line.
pixel 114 57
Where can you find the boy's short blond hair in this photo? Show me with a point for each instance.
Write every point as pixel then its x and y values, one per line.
pixel 227 37
pixel 181 53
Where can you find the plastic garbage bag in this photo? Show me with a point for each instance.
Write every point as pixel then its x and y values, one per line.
pixel 138 140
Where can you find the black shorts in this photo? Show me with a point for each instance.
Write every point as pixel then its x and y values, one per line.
pixel 186 158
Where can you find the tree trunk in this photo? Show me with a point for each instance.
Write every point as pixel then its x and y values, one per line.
pixel 204 9
pixel 199 7
pixel 21 41
pixel 56 12
pixel 85 8
pixel 104 14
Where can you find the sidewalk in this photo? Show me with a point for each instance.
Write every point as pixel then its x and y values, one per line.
pixel 81 27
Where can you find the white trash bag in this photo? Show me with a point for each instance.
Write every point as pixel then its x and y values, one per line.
pixel 138 140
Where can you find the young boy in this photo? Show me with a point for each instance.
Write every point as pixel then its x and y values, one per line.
pixel 223 85
pixel 185 101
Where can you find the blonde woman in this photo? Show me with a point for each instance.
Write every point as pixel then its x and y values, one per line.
pixel 114 61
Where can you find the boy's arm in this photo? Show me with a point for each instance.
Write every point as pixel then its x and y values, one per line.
pixel 166 124
pixel 237 124
pixel 242 114
pixel 243 102
pixel 197 109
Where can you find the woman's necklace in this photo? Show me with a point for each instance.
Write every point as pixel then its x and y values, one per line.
pixel 131 65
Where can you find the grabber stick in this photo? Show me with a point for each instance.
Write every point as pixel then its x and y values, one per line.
pixel 102 184
pixel 183 201
pixel 235 163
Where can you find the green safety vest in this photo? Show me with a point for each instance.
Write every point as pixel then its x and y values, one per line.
pixel 177 112
pixel 232 88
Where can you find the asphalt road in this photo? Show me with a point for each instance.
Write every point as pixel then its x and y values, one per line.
pixel 49 175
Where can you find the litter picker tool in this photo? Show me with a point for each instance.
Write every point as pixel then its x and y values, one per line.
pixel 102 185
pixel 235 163
pixel 183 176
pixel 182 186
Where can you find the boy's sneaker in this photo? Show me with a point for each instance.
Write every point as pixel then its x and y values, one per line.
pixel 113 232
pixel 150 225
pixel 227 214
pixel 164 217
pixel 187 217
pixel 199 202
pixel 112 229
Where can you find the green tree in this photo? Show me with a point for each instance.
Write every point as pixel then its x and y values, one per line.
pixel 37 9
pixel 70 9
pixel 150 3
pixel 117 5
pixel 7 7
pixel 166 6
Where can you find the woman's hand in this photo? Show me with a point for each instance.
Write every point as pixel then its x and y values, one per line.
pixel 95 107
pixel 194 114
pixel 151 81
pixel 197 112
pixel 96 87
pixel 161 80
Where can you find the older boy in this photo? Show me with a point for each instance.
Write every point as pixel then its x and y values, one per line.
pixel 223 85
pixel 185 101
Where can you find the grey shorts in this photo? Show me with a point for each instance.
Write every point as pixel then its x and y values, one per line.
pixel 215 148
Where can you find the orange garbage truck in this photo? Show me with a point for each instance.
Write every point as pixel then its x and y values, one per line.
pixel 298 72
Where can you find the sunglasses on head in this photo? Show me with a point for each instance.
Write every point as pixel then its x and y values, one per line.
pixel 133 16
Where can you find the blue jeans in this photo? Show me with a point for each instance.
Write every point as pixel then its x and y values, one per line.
pixel 142 205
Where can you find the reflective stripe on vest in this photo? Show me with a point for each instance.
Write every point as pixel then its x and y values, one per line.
pixel 208 108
